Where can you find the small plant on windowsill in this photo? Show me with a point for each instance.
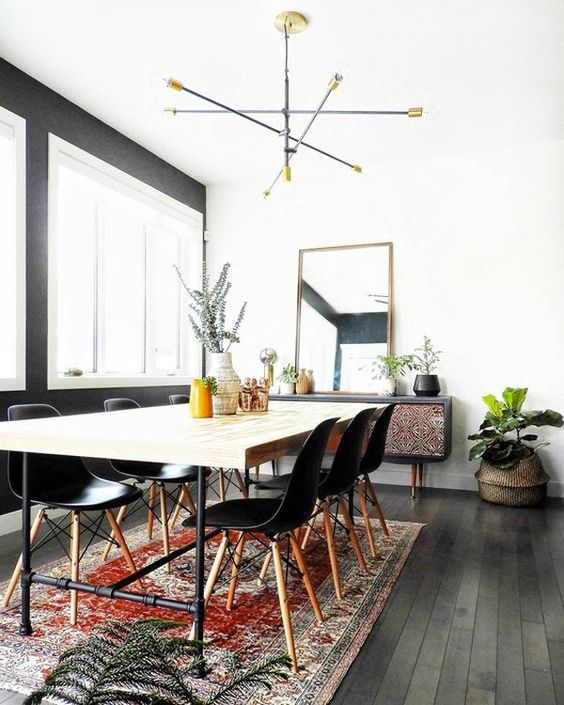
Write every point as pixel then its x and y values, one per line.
pixel 288 379
pixel 139 663
pixel 425 361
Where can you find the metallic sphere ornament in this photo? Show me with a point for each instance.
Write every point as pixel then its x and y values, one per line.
pixel 268 356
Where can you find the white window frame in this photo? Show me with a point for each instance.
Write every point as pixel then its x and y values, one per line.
pixel 59 152
pixel 17 124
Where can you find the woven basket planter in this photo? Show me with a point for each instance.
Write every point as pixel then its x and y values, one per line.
pixel 524 485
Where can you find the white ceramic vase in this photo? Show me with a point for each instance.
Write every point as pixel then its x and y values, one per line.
pixel 287 388
pixel 390 386
pixel 228 383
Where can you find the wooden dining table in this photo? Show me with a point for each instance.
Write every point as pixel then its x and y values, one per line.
pixel 164 434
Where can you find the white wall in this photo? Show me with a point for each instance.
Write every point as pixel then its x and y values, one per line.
pixel 478 265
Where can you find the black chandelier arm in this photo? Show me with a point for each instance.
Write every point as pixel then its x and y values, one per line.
pixel 177 85
pixel 180 111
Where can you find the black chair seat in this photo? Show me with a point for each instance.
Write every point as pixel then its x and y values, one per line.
pixel 239 514
pixel 96 494
pixel 280 482
pixel 157 472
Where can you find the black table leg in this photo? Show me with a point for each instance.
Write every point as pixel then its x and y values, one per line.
pixel 199 606
pixel 351 504
pixel 25 624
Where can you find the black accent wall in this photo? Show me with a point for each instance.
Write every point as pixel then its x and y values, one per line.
pixel 46 111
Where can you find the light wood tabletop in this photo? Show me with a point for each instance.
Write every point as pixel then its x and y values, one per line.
pixel 167 434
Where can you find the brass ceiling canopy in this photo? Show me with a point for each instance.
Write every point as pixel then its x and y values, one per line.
pixel 291 22
pixel 288 23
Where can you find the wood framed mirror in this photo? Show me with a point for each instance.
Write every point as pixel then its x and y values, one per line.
pixel 344 316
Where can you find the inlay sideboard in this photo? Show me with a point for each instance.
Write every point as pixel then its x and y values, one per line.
pixel 420 430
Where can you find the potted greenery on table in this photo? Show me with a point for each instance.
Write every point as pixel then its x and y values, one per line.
pixel 425 361
pixel 207 317
pixel 394 367
pixel 511 472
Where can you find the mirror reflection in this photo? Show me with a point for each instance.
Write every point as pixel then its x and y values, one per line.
pixel 344 315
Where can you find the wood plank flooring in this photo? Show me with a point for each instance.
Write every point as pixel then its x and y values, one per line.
pixel 476 617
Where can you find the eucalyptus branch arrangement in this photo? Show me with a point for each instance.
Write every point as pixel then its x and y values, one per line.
pixel 396 365
pixel 207 311
pixel 139 663
pixel 426 358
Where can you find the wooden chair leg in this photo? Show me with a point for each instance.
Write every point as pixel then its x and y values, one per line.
pixel 352 533
pixel 221 480
pixel 366 518
pixel 75 560
pixel 18 569
pixel 302 565
pixel 284 608
pixel 332 553
pixel 164 523
pixel 237 558
pixel 242 487
pixel 179 501
pixel 264 569
pixel 214 573
pixel 189 500
pixel 116 531
pixel 374 499
pixel 151 510
pixel 109 544
pixel 310 525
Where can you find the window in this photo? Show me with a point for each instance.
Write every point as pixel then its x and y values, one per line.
pixel 12 251
pixel 117 310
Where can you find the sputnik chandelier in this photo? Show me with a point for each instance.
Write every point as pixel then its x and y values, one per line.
pixel 287 23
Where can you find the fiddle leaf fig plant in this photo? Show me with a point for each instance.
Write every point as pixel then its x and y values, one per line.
pixel 500 440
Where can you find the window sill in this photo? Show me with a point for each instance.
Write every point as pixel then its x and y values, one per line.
pixel 106 381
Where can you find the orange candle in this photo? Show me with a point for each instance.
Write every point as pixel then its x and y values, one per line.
pixel 200 400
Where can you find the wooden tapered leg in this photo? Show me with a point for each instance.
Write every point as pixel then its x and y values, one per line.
pixel 284 608
pixel 302 565
pixel 310 525
pixel 214 573
pixel 257 471
pixel 242 487
pixel 237 558
pixel 352 533
pixel 152 504
pixel 164 523
pixel 75 560
pixel 413 479
pixel 366 518
pixel 116 531
pixel 379 513
pixel 221 480
pixel 18 569
pixel 420 476
pixel 264 569
pixel 189 500
pixel 332 552
pixel 179 501
pixel 109 544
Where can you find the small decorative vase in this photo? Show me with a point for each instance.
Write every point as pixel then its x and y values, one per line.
pixel 287 388
pixel 427 386
pixel 302 385
pixel 390 386
pixel 200 400
pixel 228 383
pixel 311 381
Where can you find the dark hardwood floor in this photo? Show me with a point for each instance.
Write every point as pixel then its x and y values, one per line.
pixel 476 617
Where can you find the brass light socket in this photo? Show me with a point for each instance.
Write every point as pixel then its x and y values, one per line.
pixel 415 112
pixel 287 173
pixel 174 84
pixel 357 168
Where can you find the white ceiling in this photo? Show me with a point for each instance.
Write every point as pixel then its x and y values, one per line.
pixel 493 68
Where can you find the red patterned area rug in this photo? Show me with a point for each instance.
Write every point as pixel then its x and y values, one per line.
pixel 252 628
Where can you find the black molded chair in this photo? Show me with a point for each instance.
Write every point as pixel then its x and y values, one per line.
pixel 159 475
pixel 278 519
pixel 178 399
pixel 371 460
pixel 63 482
pixel 334 487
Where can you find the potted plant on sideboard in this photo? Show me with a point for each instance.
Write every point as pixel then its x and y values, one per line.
pixel 425 361
pixel 288 379
pixel 511 472
pixel 395 366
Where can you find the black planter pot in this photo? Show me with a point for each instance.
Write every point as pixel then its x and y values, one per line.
pixel 427 386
